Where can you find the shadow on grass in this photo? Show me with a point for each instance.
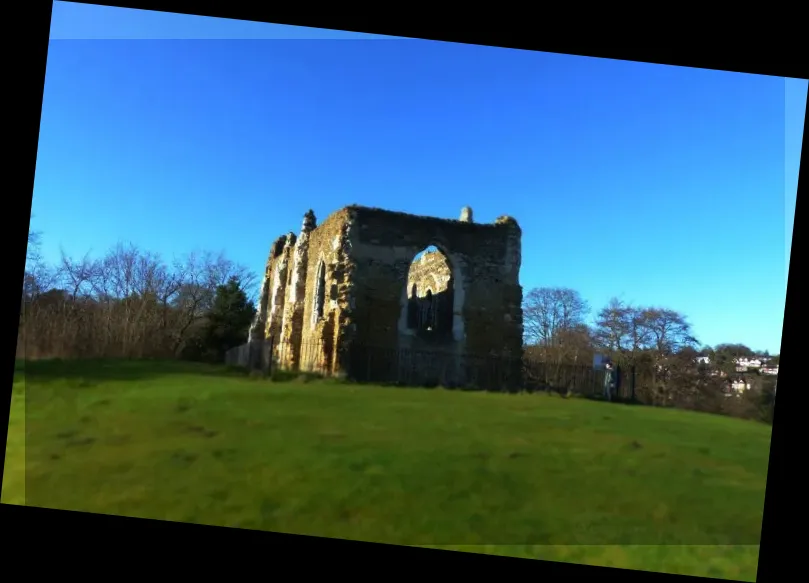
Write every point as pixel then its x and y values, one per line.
pixel 617 401
pixel 288 376
pixel 84 373
pixel 91 372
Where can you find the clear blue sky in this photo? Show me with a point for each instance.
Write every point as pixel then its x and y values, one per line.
pixel 657 184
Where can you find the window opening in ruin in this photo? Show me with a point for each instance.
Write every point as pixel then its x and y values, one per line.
pixel 429 310
pixel 430 294
pixel 320 293
pixel 412 308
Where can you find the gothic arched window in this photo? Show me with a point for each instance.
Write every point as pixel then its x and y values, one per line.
pixel 320 293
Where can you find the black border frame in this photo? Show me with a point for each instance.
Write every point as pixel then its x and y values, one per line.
pixel 139 542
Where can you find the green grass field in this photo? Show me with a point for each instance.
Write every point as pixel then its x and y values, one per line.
pixel 525 475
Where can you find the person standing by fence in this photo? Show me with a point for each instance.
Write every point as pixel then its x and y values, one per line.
pixel 609 375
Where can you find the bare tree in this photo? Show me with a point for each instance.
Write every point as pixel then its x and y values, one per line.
pixel 649 338
pixel 672 347
pixel 574 345
pixel 128 303
pixel 548 311
pixel 34 238
pixel 614 326
pixel 38 276
pixel 77 275
pixel 557 337
pixel 669 330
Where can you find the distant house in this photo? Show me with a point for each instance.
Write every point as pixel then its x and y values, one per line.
pixel 739 385
pixel 744 364
pixel 770 370
pixel 748 363
pixel 703 360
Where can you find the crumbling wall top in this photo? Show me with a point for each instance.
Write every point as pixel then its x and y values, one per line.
pixel 465 221
pixel 506 220
pixel 466 215
pixel 309 221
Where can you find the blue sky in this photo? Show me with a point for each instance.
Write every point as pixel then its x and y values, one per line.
pixel 659 185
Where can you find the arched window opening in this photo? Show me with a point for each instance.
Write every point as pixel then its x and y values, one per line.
pixel 430 294
pixel 320 293
pixel 428 310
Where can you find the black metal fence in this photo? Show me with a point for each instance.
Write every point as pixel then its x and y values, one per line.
pixel 373 364
pixel 579 379
pixel 378 365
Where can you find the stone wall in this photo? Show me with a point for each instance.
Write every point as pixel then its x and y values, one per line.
pixel 345 285
pixel 484 260
pixel 328 281
pixel 277 289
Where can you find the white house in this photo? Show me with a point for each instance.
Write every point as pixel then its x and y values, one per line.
pixel 745 363
pixel 739 385
pixel 703 360
pixel 770 370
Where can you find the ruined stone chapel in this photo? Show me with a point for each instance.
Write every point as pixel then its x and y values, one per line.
pixel 370 292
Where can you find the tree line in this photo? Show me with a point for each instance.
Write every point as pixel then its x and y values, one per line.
pixel 656 344
pixel 132 303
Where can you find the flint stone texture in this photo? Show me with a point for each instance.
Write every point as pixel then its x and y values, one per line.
pixel 345 288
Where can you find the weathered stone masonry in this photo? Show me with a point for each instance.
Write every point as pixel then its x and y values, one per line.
pixel 346 286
